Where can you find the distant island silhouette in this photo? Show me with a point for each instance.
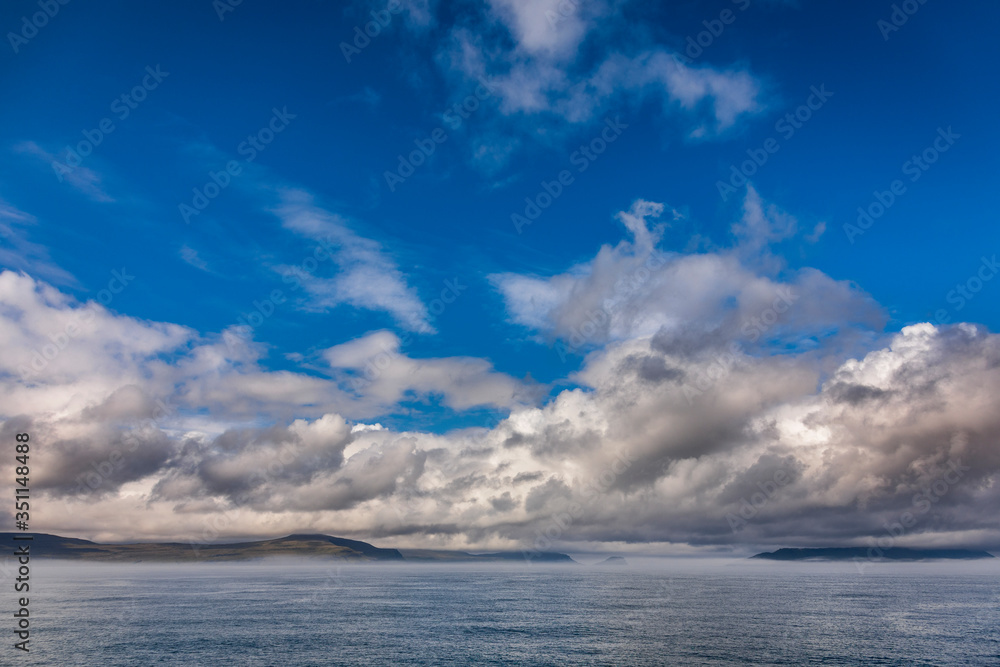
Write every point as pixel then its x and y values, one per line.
pixel 326 546
pixel 873 554
pixel 618 561
pixel 309 545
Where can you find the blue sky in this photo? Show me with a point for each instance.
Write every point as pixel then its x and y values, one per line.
pixel 482 314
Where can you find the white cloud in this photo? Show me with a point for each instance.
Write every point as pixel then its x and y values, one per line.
pixel 532 54
pixel 543 27
pixel 376 368
pixel 367 278
pixel 690 301
pixel 83 377
pixel 641 462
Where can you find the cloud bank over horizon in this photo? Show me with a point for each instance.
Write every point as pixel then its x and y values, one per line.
pixel 723 402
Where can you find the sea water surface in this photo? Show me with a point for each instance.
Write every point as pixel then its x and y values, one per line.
pixel 669 612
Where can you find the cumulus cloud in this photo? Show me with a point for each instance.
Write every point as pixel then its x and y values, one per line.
pixel 109 390
pixel 690 302
pixel 668 434
pixel 629 458
pixel 638 459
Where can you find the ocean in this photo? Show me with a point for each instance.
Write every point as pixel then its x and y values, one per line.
pixel 667 612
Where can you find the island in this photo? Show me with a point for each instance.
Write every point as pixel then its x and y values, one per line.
pixel 872 554
pixel 616 561
pixel 305 545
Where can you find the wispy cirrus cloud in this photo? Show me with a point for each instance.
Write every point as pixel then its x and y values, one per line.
pixel 83 179
pixel 364 274
pixel 367 278
pixel 191 256
pixel 18 252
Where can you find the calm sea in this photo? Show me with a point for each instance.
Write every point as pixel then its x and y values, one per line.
pixel 665 613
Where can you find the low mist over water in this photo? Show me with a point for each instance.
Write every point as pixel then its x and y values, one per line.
pixel 652 612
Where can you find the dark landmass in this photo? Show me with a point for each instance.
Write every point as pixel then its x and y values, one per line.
pixel 465 557
pixel 617 561
pixel 865 553
pixel 313 546
pixel 53 546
